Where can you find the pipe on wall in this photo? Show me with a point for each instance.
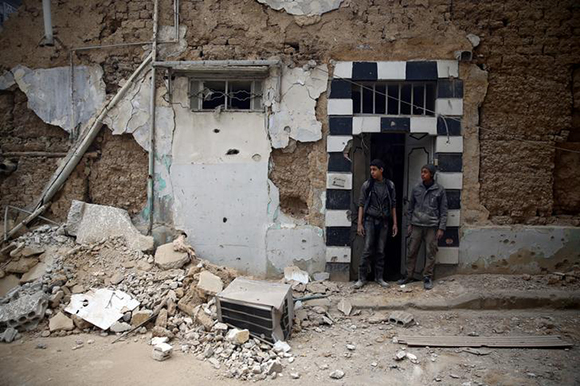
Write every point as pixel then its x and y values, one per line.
pixel 48 36
pixel 151 174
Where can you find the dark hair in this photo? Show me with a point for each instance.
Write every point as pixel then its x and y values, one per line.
pixel 378 163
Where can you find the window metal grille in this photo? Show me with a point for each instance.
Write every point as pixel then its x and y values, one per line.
pixel 391 98
pixel 207 95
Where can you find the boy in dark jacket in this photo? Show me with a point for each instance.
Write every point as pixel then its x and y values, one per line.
pixel 377 207
pixel 427 214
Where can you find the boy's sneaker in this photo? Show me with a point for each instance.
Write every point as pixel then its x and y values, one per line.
pixel 382 283
pixel 359 284
pixel 404 280
pixel 427 282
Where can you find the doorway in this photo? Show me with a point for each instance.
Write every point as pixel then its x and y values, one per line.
pixel 403 155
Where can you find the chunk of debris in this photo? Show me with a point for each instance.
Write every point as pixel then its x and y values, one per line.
pixel 167 258
pixel 316 288
pixel 274 366
pixel 32 251
pixel 102 307
pixel 475 351
pixel 296 274
pixel 117 278
pixel 21 265
pixel 345 307
pixel 281 346
pixel 23 310
pixel 161 351
pixel 400 355
pixel 9 335
pixel 180 245
pixel 120 327
pixel 238 337
pixel 34 273
pixel 60 322
pixel 91 223
pixel 402 318
pixel 209 283
pixel 337 374
pixel 412 358
pixel 321 276
pixel 140 316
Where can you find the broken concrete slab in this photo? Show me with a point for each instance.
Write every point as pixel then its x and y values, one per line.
pixel 209 283
pixel 296 274
pixel 167 258
pixel 21 265
pixel 60 322
pixel 102 307
pixel 161 351
pixel 23 310
pixel 91 223
pixel 31 251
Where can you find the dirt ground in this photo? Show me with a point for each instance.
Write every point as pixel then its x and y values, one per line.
pixel 318 353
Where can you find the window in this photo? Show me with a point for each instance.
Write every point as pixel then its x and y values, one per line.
pixel 207 95
pixel 408 98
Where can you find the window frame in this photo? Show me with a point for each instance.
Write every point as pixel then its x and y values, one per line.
pixel 196 86
pixel 388 100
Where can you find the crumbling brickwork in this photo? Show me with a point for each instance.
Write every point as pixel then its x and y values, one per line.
pixel 528 48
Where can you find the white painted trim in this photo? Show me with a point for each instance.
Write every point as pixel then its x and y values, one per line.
pixel 392 70
pixel 343 70
pixel 447 256
pixel 453 218
pixel 339 181
pixel 449 106
pixel 366 125
pixel 450 180
pixel 338 254
pixel 453 144
pixel 337 218
pixel 424 125
pixel 339 107
pixel 337 143
pixel 447 68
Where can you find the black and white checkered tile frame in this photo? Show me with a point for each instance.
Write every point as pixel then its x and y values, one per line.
pixel 343 126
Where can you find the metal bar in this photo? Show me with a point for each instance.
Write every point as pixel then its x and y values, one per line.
pixel 150 178
pixel 26 221
pixel 33 154
pixel 48 36
pixel 214 63
pixel 424 99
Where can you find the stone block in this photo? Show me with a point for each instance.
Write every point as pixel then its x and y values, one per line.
pixel 22 265
pixel 60 322
pixel 139 317
pixel 167 258
pixel 80 323
pixel 209 283
pixel 23 311
pixel 402 318
pixel 35 272
pixel 238 337
pixel 120 327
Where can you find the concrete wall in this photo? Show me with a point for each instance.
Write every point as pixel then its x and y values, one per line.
pixel 523 249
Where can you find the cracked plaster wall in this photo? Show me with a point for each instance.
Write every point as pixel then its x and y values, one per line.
pixel 49 92
pixel 225 202
pixel 303 7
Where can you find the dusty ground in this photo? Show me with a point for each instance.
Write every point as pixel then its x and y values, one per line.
pixel 319 353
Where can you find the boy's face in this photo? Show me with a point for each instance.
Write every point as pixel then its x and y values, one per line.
pixel 425 175
pixel 376 172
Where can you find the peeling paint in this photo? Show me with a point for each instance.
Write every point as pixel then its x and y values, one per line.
pixel 48 93
pixel 171 50
pixel 303 7
pixel 295 116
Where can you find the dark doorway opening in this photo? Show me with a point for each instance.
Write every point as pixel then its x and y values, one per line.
pixel 390 148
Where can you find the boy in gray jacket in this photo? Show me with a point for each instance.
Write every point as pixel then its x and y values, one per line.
pixel 427 214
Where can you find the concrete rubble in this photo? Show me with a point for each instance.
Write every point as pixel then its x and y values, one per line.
pixel 296 274
pixel 167 258
pixel 23 308
pixel 91 223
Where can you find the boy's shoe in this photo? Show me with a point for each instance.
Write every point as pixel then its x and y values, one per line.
pixel 404 280
pixel 359 284
pixel 427 282
pixel 382 283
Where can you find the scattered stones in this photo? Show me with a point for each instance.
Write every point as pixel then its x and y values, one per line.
pixel 8 335
pixel 274 366
pixel 295 375
pixel 41 346
pixel 60 322
pixel 337 374
pixel 400 355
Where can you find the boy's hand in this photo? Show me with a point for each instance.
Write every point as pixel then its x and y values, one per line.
pixel 439 234
pixel 395 230
pixel 360 229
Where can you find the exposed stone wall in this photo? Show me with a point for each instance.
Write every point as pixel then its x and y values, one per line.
pixel 528 49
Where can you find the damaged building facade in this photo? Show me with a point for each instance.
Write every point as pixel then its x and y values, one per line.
pixel 266 115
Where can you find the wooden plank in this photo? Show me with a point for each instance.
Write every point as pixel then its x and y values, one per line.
pixel 541 341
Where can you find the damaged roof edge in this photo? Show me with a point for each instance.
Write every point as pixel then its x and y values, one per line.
pixel 187 65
